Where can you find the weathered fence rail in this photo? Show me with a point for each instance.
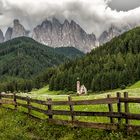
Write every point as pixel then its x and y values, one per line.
pixel 120 115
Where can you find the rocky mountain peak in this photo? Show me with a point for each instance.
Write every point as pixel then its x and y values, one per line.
pixel 66 23
pixel 46 22
pixel 112 32
pixel 16 22
pixel 55 34
pixel 18 30
pixel 73 23
pixel 8 34
pixel 1 36
pixel 55 21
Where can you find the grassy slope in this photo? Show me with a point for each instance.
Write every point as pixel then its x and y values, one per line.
pixel 17 126
pixel 44 93
pixel 136 85
pixel 13 125
pixel 45 90
pixel 134 91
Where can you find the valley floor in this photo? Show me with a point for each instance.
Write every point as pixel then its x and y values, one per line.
pixel 44 93
pixel 18 126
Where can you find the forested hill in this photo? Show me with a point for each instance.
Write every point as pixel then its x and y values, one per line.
pixel 24 58
pixel 113 65
pixel 69 52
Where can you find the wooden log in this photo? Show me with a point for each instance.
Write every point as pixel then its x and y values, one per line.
pixel 110 107
pixel 81 102
pixel 15 101
pixel 49 101
pixel 39 110
pixel 21 98
pixel 38 101
pixel 23 105
pixel 71 108
pixel 9 102
pixel 126 107
pixel 83 113
pixel 10 96
pixel 130 100
pixel 28 104
pixel 87 102
pixel 104 126
pixel 130 116
pixel 119 106
pixel 0 99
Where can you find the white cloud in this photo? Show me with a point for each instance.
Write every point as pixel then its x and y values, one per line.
pixel 93 15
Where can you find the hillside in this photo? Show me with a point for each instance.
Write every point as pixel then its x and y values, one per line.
pixel 24 57
pixel 113 65
pixel 69 52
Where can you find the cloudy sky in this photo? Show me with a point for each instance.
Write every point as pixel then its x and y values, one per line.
pixel 93 15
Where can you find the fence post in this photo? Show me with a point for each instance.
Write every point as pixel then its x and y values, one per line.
pixel 110 107
pixel 0 99
pixel 15 101
pixel 119 106
pixel 126 107
pixel 28 105
pixel 50 108
pixel 71 108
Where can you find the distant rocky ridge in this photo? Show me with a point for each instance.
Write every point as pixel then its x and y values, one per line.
pixel 1 37
pixel 112 32
pixel 56 34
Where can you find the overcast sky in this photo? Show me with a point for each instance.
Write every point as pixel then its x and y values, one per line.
pixel 124 5
pixel 93 15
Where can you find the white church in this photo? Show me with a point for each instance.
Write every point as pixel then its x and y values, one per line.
pixel 81 89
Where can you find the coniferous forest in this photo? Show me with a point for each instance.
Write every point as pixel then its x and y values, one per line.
pixel 115 64
pixel 22 59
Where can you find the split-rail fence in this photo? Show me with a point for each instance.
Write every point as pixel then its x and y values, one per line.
pixel 121 118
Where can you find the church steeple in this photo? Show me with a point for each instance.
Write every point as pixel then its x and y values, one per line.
pixel 78 85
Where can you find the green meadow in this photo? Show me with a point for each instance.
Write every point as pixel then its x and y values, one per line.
pixel 44 94
pixel 18 126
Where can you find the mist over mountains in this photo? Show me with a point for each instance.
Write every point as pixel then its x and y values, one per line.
pixel 56 34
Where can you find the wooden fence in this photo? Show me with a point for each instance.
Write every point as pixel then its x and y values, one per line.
pixel 116 117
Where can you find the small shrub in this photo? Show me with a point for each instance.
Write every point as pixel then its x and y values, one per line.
pixel 65 90
pixel 123 87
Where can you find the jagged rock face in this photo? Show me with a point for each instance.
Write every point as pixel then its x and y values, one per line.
pixel 18 30
pixel 113 31
pixel 1 37
pixel 8 34
pixel 55 34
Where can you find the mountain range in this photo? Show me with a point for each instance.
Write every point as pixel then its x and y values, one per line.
pixel 56 34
